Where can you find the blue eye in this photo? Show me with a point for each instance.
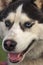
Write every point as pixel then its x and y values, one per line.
pixel 28 24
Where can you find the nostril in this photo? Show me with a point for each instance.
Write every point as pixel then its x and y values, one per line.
pixel 9 45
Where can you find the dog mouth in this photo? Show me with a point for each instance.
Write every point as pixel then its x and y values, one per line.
pixel 15 57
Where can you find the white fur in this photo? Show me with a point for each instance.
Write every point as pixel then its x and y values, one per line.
pixel 23 38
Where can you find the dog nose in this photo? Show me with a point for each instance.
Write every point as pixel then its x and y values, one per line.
pixel 9 45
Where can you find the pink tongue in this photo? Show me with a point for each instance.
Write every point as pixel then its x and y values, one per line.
pixel 15 57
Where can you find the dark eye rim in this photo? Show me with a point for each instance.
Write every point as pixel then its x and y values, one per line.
pixel 28 24
pixel 8 24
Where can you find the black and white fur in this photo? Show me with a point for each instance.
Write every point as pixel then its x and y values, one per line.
pixel 25 28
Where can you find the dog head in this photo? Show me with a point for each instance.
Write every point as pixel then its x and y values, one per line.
pixel 21 27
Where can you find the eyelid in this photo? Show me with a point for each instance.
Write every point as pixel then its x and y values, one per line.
pixel 9 24
pixel 29 24
pixel 32 23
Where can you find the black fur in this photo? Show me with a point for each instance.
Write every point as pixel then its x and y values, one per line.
pixel 28 7
pixel 42 8
pixel 33 12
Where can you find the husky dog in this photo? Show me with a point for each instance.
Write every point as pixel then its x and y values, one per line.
pixel 21 28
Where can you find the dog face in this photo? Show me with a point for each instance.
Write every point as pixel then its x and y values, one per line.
pixel 22 27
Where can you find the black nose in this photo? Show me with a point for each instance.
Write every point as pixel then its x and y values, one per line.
pixel 9 45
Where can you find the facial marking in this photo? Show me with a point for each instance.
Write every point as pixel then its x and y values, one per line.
pixel 24 17
pixel 19 9
pixel 18 13
pixel 18 16
pixel 11 16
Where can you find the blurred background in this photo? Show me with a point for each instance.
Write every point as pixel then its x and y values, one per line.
pixel 2 53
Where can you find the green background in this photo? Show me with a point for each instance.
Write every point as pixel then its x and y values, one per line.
pixel 2 53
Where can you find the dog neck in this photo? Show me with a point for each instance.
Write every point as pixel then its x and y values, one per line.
pixel 29 62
